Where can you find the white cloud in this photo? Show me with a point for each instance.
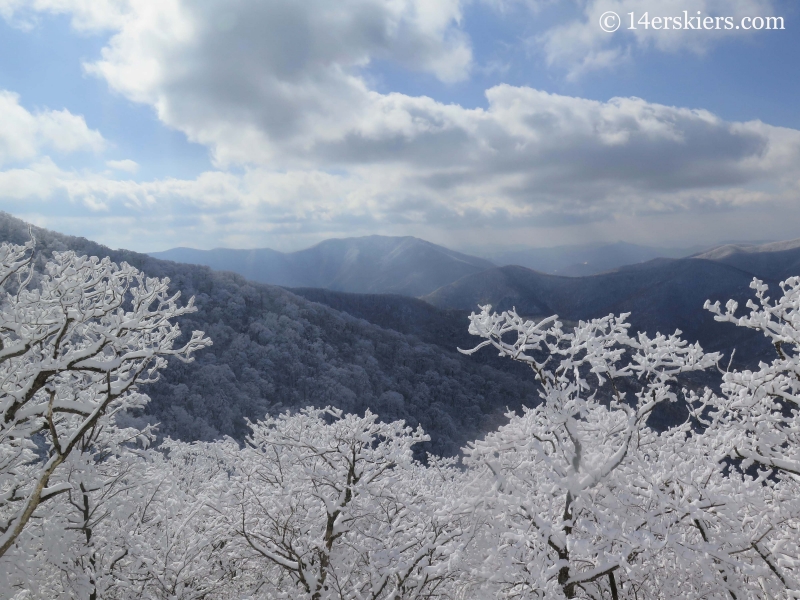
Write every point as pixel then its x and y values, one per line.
pixel 37 181
pixel 127 165
pixel 532 158
pixel 275 89
pixel 295 209
pixel 580 45
pixel 65 132
pixel 250 77
pixel 276 83
pixel 23 135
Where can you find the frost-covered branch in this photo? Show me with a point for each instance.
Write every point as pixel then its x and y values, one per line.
pixel 559 467
pixel 73 349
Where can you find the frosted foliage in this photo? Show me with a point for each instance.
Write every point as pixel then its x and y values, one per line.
pixel 334 506
pixel 563 470
pixel 75 341
pixel 587 501
pixel 756 420
pixel 763 405
pixel 576 496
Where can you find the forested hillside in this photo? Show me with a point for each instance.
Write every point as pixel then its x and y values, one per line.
pixel 274 350
pixel 661 295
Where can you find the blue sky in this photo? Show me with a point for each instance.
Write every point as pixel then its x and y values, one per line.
pixel 272 123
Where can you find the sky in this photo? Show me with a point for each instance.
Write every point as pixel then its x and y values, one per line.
pixel 151 124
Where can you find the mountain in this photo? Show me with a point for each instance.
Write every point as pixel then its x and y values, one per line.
pixel 275 350
pixel 586 259
pixel 410 316
pixel 776 260
pixel 662 295
pixel 370 265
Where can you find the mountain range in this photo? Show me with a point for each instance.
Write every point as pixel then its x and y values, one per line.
pixel 662 293
pixel 586 259
pixel 406 265
pixel 276 349
pixel 413 267
pixel 775 260
pixel 365 265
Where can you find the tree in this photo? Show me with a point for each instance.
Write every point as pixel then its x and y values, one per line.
pixel 73 347
pixel 165 540
pixel 568 514
pixel 755 425
pixel 75 547
pixel 334 506
pixel 760 409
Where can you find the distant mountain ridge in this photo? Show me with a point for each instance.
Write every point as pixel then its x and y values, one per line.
pixel 586 259
pixel 725 250
pixel 775 260
pixel 661 295
pixel 367 265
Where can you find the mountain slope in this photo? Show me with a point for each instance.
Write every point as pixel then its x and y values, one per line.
pixel 585 259
pixel 662 295
pixel 776 260
pixel 274 350
pixel 370 265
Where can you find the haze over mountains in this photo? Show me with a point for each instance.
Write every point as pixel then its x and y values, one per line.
pixel 407 265
pixel 367 265
pixel 775 260
pixel 663 294
pixel 586 259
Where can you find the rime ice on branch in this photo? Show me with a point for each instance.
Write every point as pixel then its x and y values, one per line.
pixel 561 469
pixel 74 343
pixel 336 505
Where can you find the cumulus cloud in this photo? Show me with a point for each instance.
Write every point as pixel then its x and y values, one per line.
pixel 294 209
pixel 276 84
pixel 531 157
pixel 23 135
pixel 276 90
pixel 247 77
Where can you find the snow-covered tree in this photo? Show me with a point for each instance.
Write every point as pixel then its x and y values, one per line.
pixel 573 513
pixel 755 423
pixel 761 411
pixel 75 342
pixel 334 506
pixel 75 545
pixel 165 542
